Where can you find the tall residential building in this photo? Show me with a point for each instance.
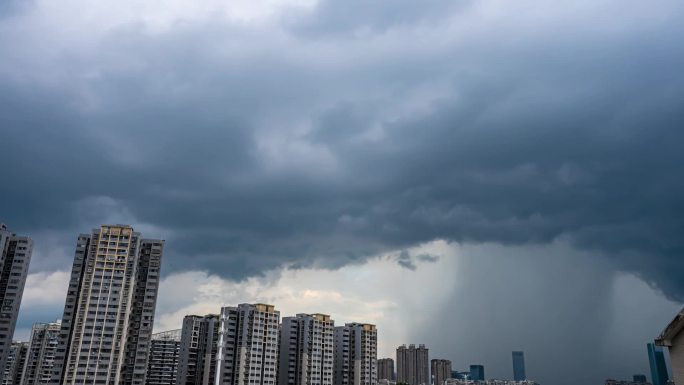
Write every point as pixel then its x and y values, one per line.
pixel 14 366
pixel 198 348
pixel 477 373
pixel 413 366
pixel 109 309
pixel 14 263
pixel 656 360
pixel 356 354
pixel 441 371
pixel 306 350
pixel 164 351
pixel 519 366
pixel 248 345
pixel 386 369
pixel 40 359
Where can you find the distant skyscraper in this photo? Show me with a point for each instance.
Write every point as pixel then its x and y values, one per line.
pixel 656 360
pixel 198 349
pixel 14 366
pixel 413 366
pixel 109 309
pixel 14 263
pixel 162 368
pixel 306 350
pixel 441 371
pixel 477 373
pixel 248 345
pixel 356 354
pixel 386 369
pixel 40 359
pixel 639 378
pixel 519 366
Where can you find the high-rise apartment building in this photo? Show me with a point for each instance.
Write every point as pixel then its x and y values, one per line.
pixel 109 309
pixel 519 366
pixel 198 349
pixel 14 263
pixel 14 366
pixel 413 365
pixel 162 368
pixel 386 369
pixel 656 360
pixel 248 345
pixel 306 350
pixel 40 359
pixel 356 354
pixel 441 371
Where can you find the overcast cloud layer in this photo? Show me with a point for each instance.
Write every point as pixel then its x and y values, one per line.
pixel 255 135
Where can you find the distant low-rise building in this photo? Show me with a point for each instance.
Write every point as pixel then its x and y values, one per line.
pixel 617 382
pixel 454 381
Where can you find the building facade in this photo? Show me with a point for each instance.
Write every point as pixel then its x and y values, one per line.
pixel 673 339
pixel 519 366
pixel 15 257
pixel 40 359
pixel 386 369
pixel 248 345
pixel 162 368
pixel 14 366
pixel 413 366
pixel 198 348
pixel 109 310
pixel 305 351
pixel 441 371
pixel 356 354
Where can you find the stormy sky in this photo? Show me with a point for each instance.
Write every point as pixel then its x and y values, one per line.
pixel 480 176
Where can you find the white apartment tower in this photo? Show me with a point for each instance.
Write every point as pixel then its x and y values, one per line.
pixel 15 256
pixel 198 348
pixel 306 350
pixel 109 309
pixel 356 354
pixel 164 351
pixel 248 345
pixel 40 358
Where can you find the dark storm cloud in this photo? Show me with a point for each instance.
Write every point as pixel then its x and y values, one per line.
pixel 251 148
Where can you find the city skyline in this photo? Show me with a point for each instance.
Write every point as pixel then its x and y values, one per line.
pixel 480 176
pixel 81 239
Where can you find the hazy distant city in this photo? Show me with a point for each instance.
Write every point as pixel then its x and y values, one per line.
pixel 105 335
